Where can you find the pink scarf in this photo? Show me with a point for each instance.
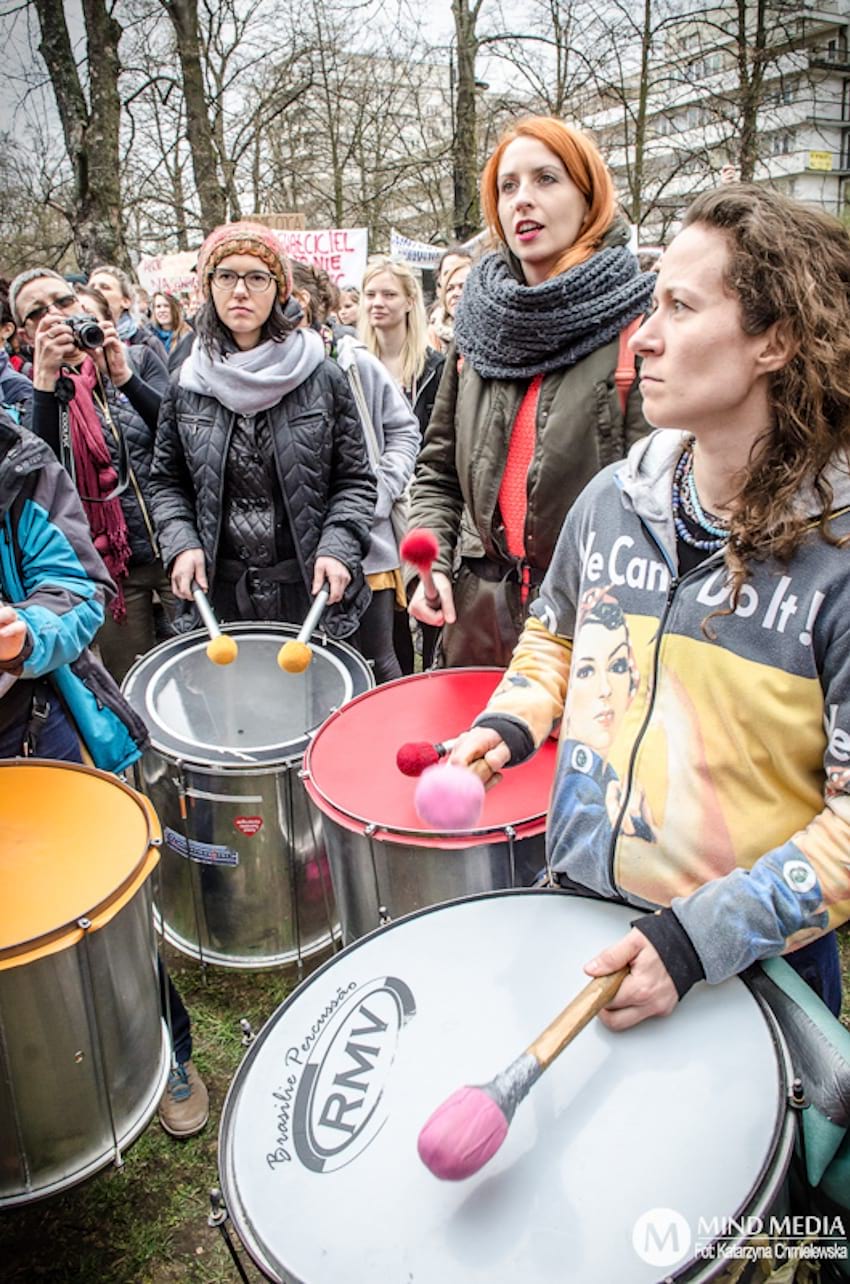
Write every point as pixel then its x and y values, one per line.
pixel 96 477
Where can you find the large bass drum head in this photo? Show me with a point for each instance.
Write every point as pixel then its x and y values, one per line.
pixel 317 1149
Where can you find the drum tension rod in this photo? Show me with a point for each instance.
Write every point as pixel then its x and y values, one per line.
pixel 217 1221
pixel 797 1095
pixel 248 1035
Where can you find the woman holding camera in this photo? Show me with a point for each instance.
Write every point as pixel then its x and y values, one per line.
pixel 82 370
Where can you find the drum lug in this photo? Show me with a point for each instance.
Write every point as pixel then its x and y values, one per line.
pixel 371 829
pixel 248 1036
pixel 797 1096
pixel 218 1212
pixel 216 1220
pixel 384 916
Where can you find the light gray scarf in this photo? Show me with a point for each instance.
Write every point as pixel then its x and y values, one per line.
pixel 248 382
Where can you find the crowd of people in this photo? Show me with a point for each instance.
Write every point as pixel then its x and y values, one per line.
pixel 639 484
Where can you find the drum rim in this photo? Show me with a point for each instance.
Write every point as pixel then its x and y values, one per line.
pixel 66 934
pixel 764 1187
pixel 287 752
pixel 525 827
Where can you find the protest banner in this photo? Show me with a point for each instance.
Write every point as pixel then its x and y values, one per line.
pixel 168 273
pixel 340 251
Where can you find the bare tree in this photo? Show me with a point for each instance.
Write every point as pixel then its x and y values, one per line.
pixel 91 119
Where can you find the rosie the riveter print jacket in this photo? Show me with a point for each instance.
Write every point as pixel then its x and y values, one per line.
pixel 708 776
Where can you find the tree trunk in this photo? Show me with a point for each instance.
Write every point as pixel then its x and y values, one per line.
pixel 184 19
pixel 91 133
pixel 636 194
pixel 467 215
pixel 751 67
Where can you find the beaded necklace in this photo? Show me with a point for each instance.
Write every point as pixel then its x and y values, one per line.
pixel 686 505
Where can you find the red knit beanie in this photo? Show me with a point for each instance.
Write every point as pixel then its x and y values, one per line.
pixel 244 238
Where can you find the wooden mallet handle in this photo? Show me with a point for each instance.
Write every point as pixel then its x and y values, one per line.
pixel 575 1016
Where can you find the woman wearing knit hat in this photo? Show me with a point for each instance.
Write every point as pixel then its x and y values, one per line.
pixel 538 391
pixel 262 489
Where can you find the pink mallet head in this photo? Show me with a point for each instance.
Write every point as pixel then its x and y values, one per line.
pixel 415 756
pixel 419 547
pixel 462 1134
pixel 449 797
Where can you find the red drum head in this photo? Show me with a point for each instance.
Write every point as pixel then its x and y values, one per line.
pixel 352 775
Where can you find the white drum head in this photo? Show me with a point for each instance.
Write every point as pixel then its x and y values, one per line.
pixel 249 711
pixel 318 1142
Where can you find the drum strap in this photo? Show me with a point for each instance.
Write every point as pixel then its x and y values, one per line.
pixel 240 575
pixel 39 713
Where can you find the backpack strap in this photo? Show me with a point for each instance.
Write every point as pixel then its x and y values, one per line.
pixel 624 375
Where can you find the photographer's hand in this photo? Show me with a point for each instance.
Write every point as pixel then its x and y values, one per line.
pixel 115 356
pixel 54 347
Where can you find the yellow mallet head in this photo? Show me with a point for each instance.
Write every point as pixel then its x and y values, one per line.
pixel 293 657
pixel 222 649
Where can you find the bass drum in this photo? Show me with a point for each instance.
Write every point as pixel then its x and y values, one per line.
pixel 682 1120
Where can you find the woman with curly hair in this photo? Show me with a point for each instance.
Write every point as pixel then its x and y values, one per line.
pixel 538 392
pixel 723 538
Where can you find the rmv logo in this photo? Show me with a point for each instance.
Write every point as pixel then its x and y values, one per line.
pixel 340 1106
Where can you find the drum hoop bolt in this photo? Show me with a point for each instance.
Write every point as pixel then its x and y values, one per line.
pixel 218 1211
pixel 248 1037
pixel 797 1096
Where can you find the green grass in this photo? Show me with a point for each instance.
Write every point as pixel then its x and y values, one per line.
pixel 147 1224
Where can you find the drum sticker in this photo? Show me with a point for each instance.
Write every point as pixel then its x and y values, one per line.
pixel 204 853
pixel 333 1100
pixel 249 825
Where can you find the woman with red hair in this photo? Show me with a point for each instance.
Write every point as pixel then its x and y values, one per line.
pixel 537 393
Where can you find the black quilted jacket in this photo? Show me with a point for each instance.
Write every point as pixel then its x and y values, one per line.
pixel 328 488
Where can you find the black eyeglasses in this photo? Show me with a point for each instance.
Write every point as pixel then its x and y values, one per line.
pixel 33 318
pixel 257 282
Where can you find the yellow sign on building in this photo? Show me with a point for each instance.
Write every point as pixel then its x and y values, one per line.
pixel 820 160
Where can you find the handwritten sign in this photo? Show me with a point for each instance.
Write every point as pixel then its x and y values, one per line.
pixel 340 251
pixel 168 273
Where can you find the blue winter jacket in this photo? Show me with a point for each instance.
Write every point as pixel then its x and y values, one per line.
pixel 51 573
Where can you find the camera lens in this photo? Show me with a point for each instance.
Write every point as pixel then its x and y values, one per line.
pixel 86 330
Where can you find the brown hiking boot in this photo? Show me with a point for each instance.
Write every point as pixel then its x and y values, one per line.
pixel 184 1107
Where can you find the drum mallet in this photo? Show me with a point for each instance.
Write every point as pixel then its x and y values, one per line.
pixel 465 1132
pixel 420 548
pixel 413 757
pixel 221 648
pixel 293 657
pixel 449 797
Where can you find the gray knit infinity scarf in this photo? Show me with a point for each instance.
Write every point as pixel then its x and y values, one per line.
pixel 508 330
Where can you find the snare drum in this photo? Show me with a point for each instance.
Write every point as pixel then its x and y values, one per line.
pixel 681 1121
pixel 84 1053
pixel 244 874
pixel 384 859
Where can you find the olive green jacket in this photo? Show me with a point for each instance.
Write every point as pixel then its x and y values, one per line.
pixel 580 429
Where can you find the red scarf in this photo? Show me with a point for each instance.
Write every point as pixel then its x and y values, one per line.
pixel 96 477
pixel 513 493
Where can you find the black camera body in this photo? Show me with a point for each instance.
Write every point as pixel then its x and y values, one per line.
pixel 86 331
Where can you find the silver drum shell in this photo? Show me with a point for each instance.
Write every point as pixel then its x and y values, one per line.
pixel 84 1055
pixel 270 902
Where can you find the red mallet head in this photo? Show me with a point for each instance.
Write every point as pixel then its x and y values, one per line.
pixel 449 797
pixel 420 548
pixel 462 1134
pixel 414 757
